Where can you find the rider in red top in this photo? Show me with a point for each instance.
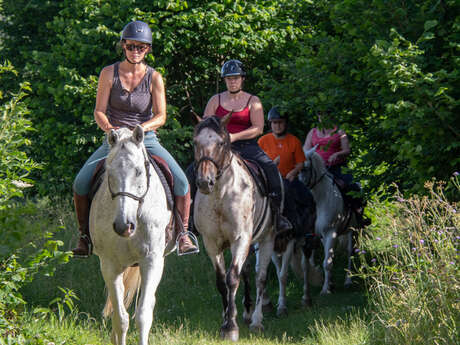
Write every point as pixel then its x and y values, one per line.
pixel 246 124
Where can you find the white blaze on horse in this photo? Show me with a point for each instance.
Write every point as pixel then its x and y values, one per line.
pixel 332 217
pixel 228 208
pixel 128 218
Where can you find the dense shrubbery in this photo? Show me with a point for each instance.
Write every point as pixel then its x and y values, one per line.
pixel 388 70
pixel 410 264
pixel 22 223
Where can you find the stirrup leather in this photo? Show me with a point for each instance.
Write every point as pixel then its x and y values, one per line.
pixel 192 238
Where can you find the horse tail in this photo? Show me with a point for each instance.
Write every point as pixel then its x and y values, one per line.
pixel 131 282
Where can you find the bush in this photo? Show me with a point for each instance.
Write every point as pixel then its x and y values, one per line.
pixel 411 268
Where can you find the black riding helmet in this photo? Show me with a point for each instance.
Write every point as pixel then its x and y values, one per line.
pixel 232 67
pixel 137 31
pixel 275 114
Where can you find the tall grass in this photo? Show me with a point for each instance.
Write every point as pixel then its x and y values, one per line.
pixel 410 264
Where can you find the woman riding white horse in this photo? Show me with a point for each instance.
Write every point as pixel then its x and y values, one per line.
pixel 129 216
pixel 130 93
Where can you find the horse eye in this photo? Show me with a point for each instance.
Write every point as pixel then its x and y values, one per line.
pixel 138 172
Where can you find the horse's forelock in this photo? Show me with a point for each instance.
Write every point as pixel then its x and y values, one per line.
pixel 214 123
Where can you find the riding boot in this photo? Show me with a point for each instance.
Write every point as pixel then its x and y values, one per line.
pixel 282 224
pixel 83 248
pixel 185 244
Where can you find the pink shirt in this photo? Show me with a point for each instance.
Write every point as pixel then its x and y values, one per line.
pixel 327 146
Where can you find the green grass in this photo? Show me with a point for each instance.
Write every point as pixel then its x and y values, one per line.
pixel 188 309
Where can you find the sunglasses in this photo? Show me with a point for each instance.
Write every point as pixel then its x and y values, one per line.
pixel 139 48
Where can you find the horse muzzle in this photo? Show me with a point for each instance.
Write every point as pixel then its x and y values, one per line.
pixel 205 185
pixel 124 229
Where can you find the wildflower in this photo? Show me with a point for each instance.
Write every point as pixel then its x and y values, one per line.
pixel 395 246
pixel 378 238
pixel 373 260
pixel 363 252
pixel 456 173
pixel 452 263
pixel 422 241
pixel 436 241
pixel 414 249
pixel 400 199
pixel 457 238
pixel 357 250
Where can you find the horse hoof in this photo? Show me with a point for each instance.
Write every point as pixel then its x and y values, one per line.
pixel 256 328
pixel 306 303
pixel 232 335
pixel 281 312
pixel 267 308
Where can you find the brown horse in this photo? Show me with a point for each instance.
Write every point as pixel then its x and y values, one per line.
pixel 230 212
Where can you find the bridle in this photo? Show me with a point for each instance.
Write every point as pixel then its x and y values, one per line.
pixel 130 195
pixel 220 170
pixel 313 175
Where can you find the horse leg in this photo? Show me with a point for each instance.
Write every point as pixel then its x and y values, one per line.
pixel 328 243
pixel 247 301
pixel 263 259
pixel 151 272
pixel 306 298
pixel 282 278
pixel 348 281
pixel 240 250
pixel 120 318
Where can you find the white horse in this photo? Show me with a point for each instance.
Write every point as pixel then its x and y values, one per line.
pixel 332 217
pixel 128 218
pixel 228 209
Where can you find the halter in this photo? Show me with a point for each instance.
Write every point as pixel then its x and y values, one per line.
pixel 132 196
pixel 220 171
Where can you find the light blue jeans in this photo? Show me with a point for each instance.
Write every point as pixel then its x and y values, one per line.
pixel 82 182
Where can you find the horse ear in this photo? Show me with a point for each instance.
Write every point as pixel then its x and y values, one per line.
pixel 138 135
pixel 309 152
pixel 196 119
pixel 226 119
pixel 112 137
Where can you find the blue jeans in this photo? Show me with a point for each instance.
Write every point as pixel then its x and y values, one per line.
pixel 82 182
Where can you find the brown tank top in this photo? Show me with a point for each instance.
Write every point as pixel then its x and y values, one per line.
pixel 128 109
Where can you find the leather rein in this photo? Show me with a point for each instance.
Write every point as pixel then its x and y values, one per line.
pixel 220 170
pixel 313 174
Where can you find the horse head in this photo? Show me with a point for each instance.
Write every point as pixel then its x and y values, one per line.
pixel 212 151
pixel 313 167
pixel 128 177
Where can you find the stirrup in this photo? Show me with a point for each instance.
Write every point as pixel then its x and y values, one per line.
pixel 192 238
pixel 90 247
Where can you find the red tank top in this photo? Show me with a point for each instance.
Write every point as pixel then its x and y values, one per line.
pixel 239 121
pixel 327 146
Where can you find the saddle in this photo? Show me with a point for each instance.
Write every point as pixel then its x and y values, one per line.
pixel 258 174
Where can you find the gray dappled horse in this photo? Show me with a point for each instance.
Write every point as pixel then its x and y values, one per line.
pixel 228 210
pixel 332 217
pixel 128 218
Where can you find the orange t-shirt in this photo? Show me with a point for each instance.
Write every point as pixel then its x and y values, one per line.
pixel 288 148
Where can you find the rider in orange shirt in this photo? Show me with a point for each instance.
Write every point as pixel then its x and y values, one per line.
pixel 286 150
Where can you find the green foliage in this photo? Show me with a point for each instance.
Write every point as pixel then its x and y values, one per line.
pixel 77 38
pixel 389 71
pixel 15 166
pixel 409 260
